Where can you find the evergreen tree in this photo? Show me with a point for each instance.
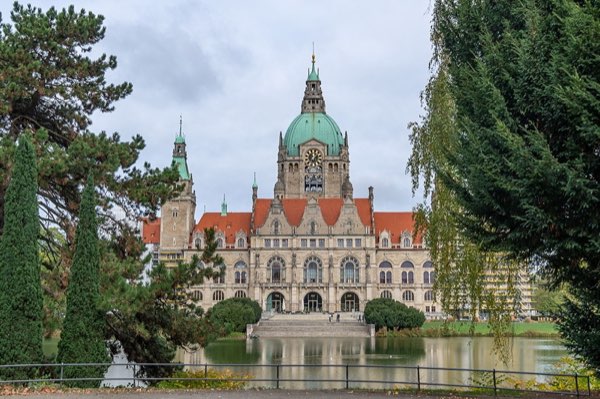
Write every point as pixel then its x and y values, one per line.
pixel 521 161
pixel 52 81
pixel 82 336
pixel 20 287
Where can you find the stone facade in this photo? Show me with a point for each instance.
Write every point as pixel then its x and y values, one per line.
pixel 312 246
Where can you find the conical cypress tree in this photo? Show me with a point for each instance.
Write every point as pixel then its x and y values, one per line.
pixel 20 286
pixel 82 338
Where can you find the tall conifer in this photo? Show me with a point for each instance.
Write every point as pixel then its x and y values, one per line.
pixel 20 287
pixel 82 337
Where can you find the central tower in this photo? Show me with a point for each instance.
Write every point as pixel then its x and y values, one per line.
pixel 313 159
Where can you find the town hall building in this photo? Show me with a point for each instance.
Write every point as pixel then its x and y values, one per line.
pixel 311 246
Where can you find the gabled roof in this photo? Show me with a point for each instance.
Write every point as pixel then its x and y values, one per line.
pixel 151 230
pixel 293 210
pixel 229 224
pixel 395 223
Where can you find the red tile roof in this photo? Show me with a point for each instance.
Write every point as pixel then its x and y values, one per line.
pixel 363 206
pixel 151 231
pixel 294 210
pixel 331 209
pixel 395 223
pixel 229 224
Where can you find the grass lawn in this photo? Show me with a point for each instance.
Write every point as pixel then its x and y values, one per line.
pixel 482 328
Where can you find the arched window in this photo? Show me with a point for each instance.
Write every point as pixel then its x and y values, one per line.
pixel 408 277
pixel 349 270
pixel 198 243
pixel 197 295
pixel 429 296
pixel 218 295
pixel 313 270
pixel 432 277
pixel 313 228
pixel 175 212
pixel 276 227
pixel 406 242
pixel 220 279
pixel 407 264
pixel 240 273
pixel 276 270
pixel 220 242
pixel 241 243
pixel 385 275
pixel 427 265
pixel 426 278
pixel 385 242
pixel 408 296
pixel 386 294
pixel 240 294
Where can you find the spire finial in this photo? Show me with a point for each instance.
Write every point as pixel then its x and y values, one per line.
pixel 180 125
pixel 313 54
pixel 254 185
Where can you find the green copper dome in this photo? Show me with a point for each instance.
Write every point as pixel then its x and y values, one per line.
pixel 313 125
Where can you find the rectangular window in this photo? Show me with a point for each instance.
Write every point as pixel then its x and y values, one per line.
pixel 427 309
pixel 321 243
pixel 313 243
pixel 284 243
pixel 275 242
pixel 433 309
pixel 340 243
pixel 358 243
pixel 348 242
pixel 303 243
pixel 267 243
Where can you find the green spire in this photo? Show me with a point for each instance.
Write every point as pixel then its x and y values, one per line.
pixel 313 75
pixel 224 207
pixel 179 139
pixel 254 185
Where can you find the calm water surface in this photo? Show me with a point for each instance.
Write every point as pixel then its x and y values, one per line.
pixel 296 355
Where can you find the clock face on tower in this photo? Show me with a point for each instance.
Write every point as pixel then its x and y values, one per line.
pixel 313 157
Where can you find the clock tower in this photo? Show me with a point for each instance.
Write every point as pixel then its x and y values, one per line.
pixel 313 159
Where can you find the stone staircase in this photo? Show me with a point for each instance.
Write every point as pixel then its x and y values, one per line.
pixel 310 325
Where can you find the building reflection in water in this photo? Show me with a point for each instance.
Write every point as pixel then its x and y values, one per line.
pixel 298 358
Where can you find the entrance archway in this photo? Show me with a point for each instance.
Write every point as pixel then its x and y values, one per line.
pixel 276 302
pixel 313 302
pixel 350 302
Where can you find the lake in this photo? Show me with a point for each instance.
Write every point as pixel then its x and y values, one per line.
pixel 528 354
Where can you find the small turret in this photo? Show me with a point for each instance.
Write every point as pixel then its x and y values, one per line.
pixel 279 190
pixel 313 96
pixel 224 207
pixel 347 189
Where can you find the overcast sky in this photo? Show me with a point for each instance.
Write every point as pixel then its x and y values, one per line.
pixel 236 71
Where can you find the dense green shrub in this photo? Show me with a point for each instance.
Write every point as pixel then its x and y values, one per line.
pixel 232 315
pixel 392 314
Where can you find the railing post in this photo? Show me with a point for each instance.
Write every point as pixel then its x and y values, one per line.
pixel 205 371
pixel 277 374
pixel 62 372
pixel 347 373
pixel 589 386
pixel 418 378
pixel 576 384
pixel 495 387
pixel 134 373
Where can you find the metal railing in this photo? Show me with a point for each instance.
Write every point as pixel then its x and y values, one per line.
pixel 332 376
